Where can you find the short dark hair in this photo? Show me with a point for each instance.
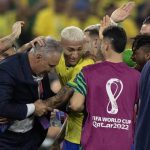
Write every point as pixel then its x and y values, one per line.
pixel 147 20
pixel 141 40
pixel 93 30
pixel 117 36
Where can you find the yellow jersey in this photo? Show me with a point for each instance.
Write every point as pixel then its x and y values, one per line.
pixel 50 23
pixel 68 74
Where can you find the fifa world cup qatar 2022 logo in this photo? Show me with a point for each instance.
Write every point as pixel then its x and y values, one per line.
pixel 114 88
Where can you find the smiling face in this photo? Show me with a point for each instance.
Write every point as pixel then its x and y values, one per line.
pixel 73 51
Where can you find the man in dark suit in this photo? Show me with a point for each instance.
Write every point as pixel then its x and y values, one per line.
pixel 23 86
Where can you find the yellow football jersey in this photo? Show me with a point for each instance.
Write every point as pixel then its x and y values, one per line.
pixel 68 74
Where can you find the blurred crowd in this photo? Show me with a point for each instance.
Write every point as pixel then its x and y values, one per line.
pixel 49 17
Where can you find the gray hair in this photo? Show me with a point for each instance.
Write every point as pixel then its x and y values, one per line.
pixel 51 46
pixel 72 33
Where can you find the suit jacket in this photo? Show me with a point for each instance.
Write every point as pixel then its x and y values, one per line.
pixel 17 87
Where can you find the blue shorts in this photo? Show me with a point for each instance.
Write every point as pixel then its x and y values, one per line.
pixel 70 146
pixel 132 147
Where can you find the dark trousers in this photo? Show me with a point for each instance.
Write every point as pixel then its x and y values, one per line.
pixel 30 140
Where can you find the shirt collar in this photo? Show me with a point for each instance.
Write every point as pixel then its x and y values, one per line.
pixel 37 78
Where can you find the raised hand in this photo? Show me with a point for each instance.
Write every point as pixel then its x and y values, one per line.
pixel 39 40
pixel 122 12
pixel 16 29
pixel 25 47
pixel 104 24
pixel 7 41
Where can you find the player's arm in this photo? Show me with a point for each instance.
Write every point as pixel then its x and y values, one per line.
pixel 78 99
pixel 7 41
pixel 61 98
pixel 75 94
pixel 26 47
pixel 77 102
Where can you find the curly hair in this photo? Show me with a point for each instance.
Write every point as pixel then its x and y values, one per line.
pixel 141 40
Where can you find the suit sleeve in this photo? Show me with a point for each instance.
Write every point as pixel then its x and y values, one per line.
pixel 8 107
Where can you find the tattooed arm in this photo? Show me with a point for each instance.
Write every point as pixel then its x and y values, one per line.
pixel 60 98
pixel 25 47
pixel 7 41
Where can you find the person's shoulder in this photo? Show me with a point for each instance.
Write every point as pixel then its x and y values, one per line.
pixel 93 67
pixel 85 62
pixel 146 68
pixel 10 64
pixel 147 65
pixel 11 59
pixel 133 72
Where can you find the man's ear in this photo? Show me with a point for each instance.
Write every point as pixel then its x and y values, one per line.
pixel 38 57
pixel 147 56
pixel 107 46
pixel 95 42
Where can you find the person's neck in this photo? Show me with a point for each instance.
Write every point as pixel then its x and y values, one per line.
pixel 115 58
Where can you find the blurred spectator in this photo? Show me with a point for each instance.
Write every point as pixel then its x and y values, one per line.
pixel 27 10
pixel 61 13
pixel 52 20
pixel 82 12
pixel 143 11
pixel 130 27
pixel 7 17
pixel 145 29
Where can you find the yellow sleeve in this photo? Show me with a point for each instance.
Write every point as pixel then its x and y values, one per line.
pixel 129 24
pixel 42 25
pixel 79 67
pixel 6 22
